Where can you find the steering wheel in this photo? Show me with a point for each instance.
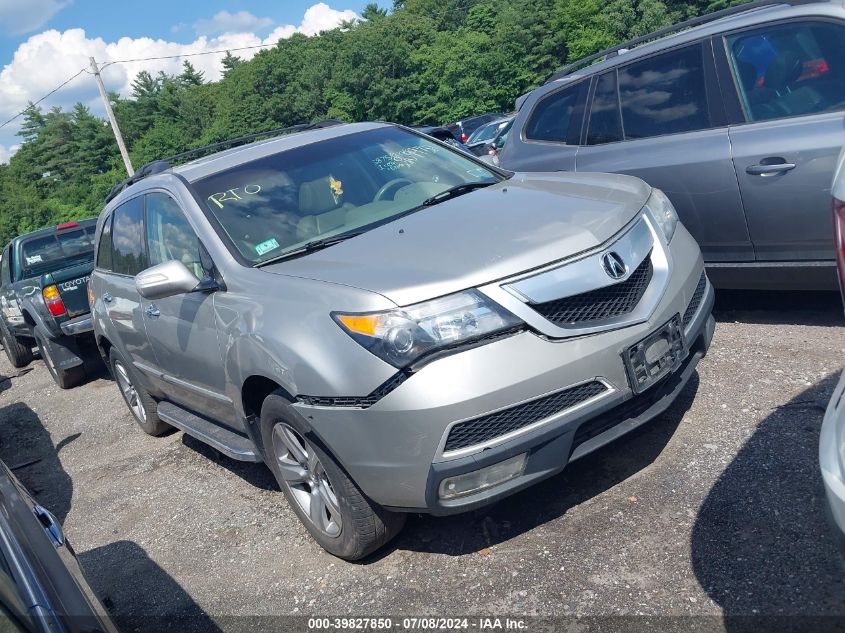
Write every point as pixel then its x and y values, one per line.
pixel 390 184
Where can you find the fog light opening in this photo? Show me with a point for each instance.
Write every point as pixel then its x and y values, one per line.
pixel 478 480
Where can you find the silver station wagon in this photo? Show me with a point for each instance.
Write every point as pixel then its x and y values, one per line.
pixel 391 325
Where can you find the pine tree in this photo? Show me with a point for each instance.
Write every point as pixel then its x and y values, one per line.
pixel 190 76
pixel 230 62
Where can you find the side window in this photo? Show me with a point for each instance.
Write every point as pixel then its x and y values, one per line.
pixel 664 94
pixel 552 116
pixel 605 126
pixel 789 69
pixel 104 246
pixel 169 236
pixel 128 237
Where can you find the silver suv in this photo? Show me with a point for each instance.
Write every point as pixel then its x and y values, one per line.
pixel 737 116
pixel 391 325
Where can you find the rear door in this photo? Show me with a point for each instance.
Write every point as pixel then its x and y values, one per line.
pixel 660 118
pixel 790 79
pixel 117 270
pixel 182 328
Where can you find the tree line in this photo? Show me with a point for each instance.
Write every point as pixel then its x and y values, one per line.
pixel 421 61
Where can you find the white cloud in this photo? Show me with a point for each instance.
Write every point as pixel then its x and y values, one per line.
pixel 23 16
pixel 7 153
pixel 225 22
pixel 318 17
pixel 47 59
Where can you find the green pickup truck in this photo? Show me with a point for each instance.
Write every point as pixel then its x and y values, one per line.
pixel 44 299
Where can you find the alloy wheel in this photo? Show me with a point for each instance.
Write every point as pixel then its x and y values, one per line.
pixel 307 480
pixel 130 393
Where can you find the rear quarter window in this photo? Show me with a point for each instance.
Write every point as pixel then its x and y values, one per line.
pixel 553 115
pixel 104 247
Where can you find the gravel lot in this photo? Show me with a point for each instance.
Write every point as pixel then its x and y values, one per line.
pixel 716 508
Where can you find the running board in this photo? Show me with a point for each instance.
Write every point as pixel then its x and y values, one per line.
pixel 227 442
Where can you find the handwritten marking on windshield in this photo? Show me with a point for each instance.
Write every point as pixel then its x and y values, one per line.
pixel 230 195
pixel 403 158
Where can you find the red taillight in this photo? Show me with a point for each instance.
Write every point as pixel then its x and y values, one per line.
pixel 839 240
pixel 67 225
pixel 53 300
pixel 491 152
pixel 464 138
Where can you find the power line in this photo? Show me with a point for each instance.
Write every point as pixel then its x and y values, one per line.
pixel 222 50
pixel 126 61
pixel 53 91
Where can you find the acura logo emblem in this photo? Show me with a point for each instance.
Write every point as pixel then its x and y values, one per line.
pixel 613 265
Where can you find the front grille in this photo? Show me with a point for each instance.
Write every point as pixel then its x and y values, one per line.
pixel 600 304
pixel 494 425
pixel 695 302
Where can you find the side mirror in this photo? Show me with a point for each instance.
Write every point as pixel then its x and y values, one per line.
pixel 165 280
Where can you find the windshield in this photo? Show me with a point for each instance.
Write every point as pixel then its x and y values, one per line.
pixel 484 133
pixel 49 253
pixel 281 203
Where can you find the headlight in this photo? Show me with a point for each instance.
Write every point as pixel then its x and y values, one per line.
pixel 402 335
pixel 663 212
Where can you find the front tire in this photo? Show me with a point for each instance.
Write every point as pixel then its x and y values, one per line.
pixel 64 378
pixel 333 509
pixel 140 403
pixel 19 355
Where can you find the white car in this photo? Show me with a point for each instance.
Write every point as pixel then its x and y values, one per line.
pixel 832 440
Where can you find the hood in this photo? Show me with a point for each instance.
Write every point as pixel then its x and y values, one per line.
pixel 525 222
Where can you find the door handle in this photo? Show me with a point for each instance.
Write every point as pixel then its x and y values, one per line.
pixel 768 167
pixel 107 298
pixel 50 525
pixel 152 311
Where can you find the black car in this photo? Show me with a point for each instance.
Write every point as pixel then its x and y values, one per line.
pixel 442 134
pixel 44 298
pixel 464 127
pixel 42 588
pixel 485 137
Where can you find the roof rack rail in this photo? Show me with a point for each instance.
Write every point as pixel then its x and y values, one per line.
pixel 680 26
pixel 163 164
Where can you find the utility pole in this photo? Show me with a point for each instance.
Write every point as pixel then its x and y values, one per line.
pixel 117 135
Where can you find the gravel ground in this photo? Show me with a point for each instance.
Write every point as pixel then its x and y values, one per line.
pixel 713 509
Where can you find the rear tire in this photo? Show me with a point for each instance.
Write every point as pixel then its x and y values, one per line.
pixel 19 355
pixel 345 522
pixel 65 378
pixel 140 403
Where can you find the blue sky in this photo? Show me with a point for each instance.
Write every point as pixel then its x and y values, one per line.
pixel 43 42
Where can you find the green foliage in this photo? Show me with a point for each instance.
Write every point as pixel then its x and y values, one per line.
pixel 421 61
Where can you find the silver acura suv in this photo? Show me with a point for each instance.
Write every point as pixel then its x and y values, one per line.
pixel 391 325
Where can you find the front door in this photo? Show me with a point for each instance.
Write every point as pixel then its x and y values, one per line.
pixel 791 82
pixel 181 328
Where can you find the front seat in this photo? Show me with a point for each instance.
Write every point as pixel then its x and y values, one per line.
pixel 321 211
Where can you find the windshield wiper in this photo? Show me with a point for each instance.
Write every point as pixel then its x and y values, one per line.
pixel 310 247
pixel 457 190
